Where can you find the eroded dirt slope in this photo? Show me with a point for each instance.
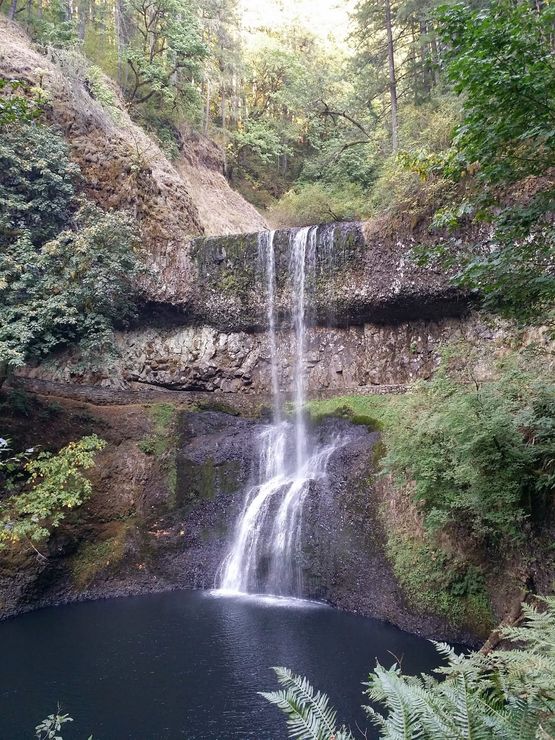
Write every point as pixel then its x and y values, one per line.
pixel 123 168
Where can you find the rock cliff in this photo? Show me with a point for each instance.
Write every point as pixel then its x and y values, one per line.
pixel 375 319
pixel 355 359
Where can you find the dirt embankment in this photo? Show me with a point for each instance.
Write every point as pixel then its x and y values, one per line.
pixel 123 168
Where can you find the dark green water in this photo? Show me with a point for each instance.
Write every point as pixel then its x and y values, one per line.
pixel 186 665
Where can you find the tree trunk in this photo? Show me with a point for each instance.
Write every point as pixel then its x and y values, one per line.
pixel 207 106
pixel 223 108
pixel 392 78
pixel 435 57
pixel 234 101
pixel 120 19
pixel 13 10
pixel 83 10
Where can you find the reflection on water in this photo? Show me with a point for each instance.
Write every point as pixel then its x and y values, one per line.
pixel 186 664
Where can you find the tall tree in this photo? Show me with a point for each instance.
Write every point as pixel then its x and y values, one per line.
pixel 392 76
pixel 165 50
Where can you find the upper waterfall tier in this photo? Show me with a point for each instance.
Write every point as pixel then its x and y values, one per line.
pixel 360 277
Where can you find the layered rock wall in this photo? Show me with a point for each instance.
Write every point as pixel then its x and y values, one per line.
pixel 355 359
pixel 359 277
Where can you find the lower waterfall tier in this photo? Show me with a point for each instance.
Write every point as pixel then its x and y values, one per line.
pixel 180 478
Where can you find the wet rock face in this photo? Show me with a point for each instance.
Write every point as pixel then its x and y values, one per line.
pixel 343 557
pixel 232 281
pixel 338 360
pixel 359 278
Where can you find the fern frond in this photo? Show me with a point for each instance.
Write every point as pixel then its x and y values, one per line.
pixel 398 694
pixel 310 716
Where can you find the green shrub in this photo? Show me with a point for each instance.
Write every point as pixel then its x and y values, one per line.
pixel 102 91
pixel 37 184
pixel 66 267
pixel 480 454
pixel 19 102
pixel 43 487
pixel 310 203
pixel 434 582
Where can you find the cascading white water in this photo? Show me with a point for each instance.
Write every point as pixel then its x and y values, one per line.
pixel 267 257
pixel 263 557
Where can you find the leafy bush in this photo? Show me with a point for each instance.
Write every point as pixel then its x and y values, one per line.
pixel 37 184
pixel 67 267
pixel 19 102
pixel 503 694
pixel 51 26
pixel 480 454
pixel 311 203
pixel 42 488
pixel 102 91
pixel 499 60
pixel 72 289
pixel 515 272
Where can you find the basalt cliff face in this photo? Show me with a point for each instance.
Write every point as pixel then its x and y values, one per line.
pixel 357 359
pixel 376 319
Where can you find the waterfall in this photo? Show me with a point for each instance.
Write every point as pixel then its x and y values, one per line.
pixel 264 553
pixel 267 257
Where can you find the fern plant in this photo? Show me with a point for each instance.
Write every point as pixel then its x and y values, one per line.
pixel 508 694
pixel 310 716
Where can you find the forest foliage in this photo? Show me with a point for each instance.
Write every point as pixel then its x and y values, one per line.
pixel 66 266
pixel 438 111
pixel 478 451
pixel 39 487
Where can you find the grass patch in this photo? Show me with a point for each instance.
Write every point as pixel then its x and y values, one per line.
pixel 375 412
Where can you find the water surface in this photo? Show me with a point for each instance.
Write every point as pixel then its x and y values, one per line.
pixel 186 665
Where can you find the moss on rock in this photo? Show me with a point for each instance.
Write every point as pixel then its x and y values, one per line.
pixel 201 481
pixel 374 412
pixel 96 556
pixel 435 583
